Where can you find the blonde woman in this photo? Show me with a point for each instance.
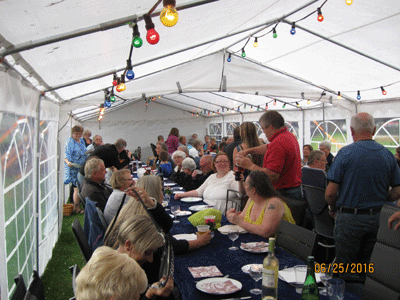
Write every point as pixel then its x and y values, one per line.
pixel 248 134
pixel 86 137
pixel 120 181
pixel 103 275
pixel 139 238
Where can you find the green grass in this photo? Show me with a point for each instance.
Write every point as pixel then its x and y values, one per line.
pixel 57 277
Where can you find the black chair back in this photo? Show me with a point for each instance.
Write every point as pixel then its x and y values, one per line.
pixel 74 272
pixel 81 240
pixel 313 177
pixel 384 281
pixel 298 209
pixel 297 240
pixel 231 203
pixel 36 288
pixel 319 210
pixel 153 148
pixel 20 290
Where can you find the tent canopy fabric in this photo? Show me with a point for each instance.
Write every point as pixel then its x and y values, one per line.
pixel 353 49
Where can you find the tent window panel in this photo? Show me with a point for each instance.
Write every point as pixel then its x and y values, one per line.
pixel 388 133
pixel 12 270
pixel 334 131
pixel 293 127
pixel 216 131
pixel 20 224
pixel 259 129
pixel 9 205
pixel 230 127
pixel 11 236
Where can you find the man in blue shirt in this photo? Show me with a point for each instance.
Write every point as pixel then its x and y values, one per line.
pixel 359 181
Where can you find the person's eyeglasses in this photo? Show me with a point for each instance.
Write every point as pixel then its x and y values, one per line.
pixel 222 162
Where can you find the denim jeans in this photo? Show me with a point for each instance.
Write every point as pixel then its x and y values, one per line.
pixel 292 193
pixel 355 237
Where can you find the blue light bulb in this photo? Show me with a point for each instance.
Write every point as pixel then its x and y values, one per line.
pixel 293 31
pixel 107 103
pixel 130 75
pixel 229 59
pixel 358 95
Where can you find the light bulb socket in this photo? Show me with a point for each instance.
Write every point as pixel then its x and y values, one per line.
pixel 122 78
pixel 128 64
pixel 136 30
pixel 169 2
pixel 148 21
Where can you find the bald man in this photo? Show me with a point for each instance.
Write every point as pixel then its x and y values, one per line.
pixel 359 181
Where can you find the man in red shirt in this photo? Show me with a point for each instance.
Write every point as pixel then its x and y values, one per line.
pixel 282 161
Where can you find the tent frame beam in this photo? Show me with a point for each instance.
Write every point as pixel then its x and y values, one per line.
pixel 88 30
pixel 344 46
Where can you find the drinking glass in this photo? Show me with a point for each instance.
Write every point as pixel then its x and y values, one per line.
pixel 256 273
pixel 328 274
pixel 233 235
pixel 166 199
pixel 335 287
pixel 300 273
pixel 175 209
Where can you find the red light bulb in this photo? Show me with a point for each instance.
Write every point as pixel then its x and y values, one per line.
pixel 152 36
pixel 320 16
pixel 115 81
pixel 383 91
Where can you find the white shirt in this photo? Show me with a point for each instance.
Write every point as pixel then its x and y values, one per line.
pixel 214 190
pixel 193 152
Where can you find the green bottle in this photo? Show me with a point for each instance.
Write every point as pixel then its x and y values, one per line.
pixel 310 287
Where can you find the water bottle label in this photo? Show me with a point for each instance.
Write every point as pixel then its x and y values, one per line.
pixel 268 279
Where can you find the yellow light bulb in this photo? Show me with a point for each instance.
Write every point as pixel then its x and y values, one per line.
pixel 122 87
pixel 308 102
pixel 169 16
pixel 349 2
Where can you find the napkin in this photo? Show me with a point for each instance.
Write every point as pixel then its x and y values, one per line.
pixel 210 271
pixel 186 236
pixel 198 218
pixel 288 275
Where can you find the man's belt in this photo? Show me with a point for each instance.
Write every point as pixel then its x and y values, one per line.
pixel 360 211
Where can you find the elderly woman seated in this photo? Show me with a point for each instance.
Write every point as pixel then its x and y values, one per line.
pixel 110 275
pixel 186 181
pixel 214 189
pixel 178 156
pixel 120 181
pixel 265 208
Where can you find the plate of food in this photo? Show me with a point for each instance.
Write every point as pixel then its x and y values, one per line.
pixel 219 286
pixel 169 183
pixel 225 229
pixel 255 247
pixel 199 207
pixel 191 199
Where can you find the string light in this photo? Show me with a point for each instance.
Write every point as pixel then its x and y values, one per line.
pixel 101 112
pixel 115 80
pixel 308 102
pixel 192 114
pixel 169 16
pixel 244 106
pixel 197 114
pixel 266 106
pixel 258 108
pixel 129 72
pixel 274 34
pixel 112 97
pixel 320 16
pixel 222 109
pixel 293 30
pixel 358 95
pixel 122 87
pixel 383 91
pixel 238 109
pixel 284 105
pixel 229 59
pixel 251 108
pixel 349 2
pixel 107 103
pixel 137 41
pixel 297 104
pixel 243 53
pixel 152 36
pixel 255 43
pixel 218 112
pixel 339 96
pixel 274 103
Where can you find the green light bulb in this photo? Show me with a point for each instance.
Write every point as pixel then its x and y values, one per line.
pixel 137 42
pixel 112 99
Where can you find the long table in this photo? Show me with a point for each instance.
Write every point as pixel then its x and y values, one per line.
pixel 228 262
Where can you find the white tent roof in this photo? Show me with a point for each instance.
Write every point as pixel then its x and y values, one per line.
pixel 354 49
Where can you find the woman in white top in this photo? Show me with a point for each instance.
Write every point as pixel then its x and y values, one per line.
pixel 214 189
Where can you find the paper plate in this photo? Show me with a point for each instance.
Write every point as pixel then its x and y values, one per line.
pixel 199 207
pixel 191 199
pixel 225 229
pixel 186 236
pixel 178 192
pixel 219 286
pixel 260 247
pixel 169 183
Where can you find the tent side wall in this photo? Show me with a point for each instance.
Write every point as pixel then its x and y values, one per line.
pixel 29 207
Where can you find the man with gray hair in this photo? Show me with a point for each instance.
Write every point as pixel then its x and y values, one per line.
pixel 317 160
pixel 93 183
pixel 359 181
pixel 325 146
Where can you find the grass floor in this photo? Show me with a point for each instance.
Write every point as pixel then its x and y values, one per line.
pixel 57 277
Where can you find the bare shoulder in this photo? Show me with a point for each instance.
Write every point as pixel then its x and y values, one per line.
pixel 274 203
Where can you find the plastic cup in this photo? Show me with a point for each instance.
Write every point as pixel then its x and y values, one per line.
pixel 202 229
pixel 300 275
pixel 335 287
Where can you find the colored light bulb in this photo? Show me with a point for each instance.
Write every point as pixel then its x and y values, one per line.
pixel 112 98
pixel 107 103
pixel 137 42
pixel 320 16
pixel 266 106
pixel 349 2
pixel 308 102
pixel 274 34
pixel 115 80
pixel 293 30
pixel 152 35
pixel 284 105
pixel 229 59
pixel 297 104
pixel 339 96
pixel 255 43
pixel 117 89
pixel 169 16
pixel 383 91
pixel 243 53
pixel 275 103
pixel 130 74
pixel 358 95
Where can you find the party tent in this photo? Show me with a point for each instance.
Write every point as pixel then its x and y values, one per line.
pixel 205 75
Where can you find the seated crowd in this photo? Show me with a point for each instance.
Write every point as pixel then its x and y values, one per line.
pixel 268 176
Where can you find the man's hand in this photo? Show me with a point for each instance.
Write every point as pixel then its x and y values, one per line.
pixel 394 217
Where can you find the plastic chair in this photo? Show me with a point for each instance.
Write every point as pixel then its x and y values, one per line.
pixel 74 272
pixel 384 281
pixel 297 240
pixel 81 240
pixel 20 290
pixel 36 288
pixel 298 209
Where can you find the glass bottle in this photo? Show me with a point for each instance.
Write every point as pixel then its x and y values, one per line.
pixel 310 287
pixel 270 274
